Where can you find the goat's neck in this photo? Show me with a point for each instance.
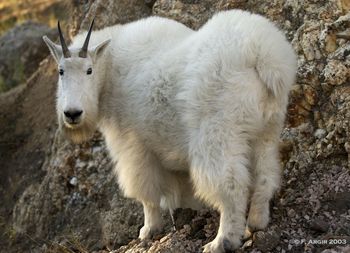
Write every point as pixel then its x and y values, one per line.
pixel 108 102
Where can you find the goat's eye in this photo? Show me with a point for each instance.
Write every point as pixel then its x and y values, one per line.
pixel 89 71
pixel 61 71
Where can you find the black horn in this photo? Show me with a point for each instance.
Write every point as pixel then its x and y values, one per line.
pixel 84 49
pixel 65 49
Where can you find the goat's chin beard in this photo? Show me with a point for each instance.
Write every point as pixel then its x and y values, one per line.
pixel 78 134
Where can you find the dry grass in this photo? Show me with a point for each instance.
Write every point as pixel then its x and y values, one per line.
pixel 71 245
pixel 68 244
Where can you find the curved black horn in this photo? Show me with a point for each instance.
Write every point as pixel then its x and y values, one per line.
pixel 65 49
pixel 84 49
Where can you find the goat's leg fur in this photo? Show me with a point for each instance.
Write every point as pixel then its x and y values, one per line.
pixel 142 181
pixel 266 171
pixel 221 178
pixel 142 177
pixel 152 220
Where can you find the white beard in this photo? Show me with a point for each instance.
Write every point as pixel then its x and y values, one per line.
pixel 78 134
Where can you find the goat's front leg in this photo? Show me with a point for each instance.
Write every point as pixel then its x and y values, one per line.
pixel 141 176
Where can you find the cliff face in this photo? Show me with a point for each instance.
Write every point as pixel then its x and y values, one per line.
pixel 61 198
pixel 49 188
pixel 21 53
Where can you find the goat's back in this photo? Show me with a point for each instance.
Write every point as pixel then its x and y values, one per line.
pixel 172 79
pixel 241 66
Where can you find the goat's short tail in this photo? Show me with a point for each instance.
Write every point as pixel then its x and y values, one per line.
pixel 276 64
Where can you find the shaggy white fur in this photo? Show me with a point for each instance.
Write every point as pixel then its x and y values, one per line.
pixel 186 114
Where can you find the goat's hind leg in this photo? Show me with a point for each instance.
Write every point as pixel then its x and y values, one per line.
pixel 266 172
pixel 221 177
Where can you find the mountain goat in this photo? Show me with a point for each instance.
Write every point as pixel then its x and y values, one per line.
pixel 186 114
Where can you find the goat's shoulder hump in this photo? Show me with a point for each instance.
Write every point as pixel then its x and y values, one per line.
pixel 239 19
pixel 156 24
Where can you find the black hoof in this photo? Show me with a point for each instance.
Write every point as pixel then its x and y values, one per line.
pixel 227 246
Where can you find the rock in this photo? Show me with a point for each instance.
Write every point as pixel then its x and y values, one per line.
pixel 310 95
pixel 193 13
pixel 308 42
pixel 340 202
pixel 73 181
pixel 22 49
pixel 320 133
pixel 197 225
pixel 110 12
pixel 183 216
pixel 331 43
pixel 150 3
pixel 48 205
pixel 336 73
pixel 190 13
pixel 266 241
pixel 247 244
pixel 319 225
pixel 95 199
pixel 291 213
pixel 340 249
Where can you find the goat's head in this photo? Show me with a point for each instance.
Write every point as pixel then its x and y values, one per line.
pixel 78 86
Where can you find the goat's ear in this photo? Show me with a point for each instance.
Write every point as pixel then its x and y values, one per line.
pixel 55 49
pixel 97 50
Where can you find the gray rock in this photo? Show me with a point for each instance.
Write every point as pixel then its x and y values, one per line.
pixel 73 181
pixel 183 216
pixel 193 13
pixel 320 133
pixel 22 49
pixel 340 202
pixel 266 241
pixel 110 12
pixel 319 225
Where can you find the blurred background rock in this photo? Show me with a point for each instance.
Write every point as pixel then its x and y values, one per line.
pixel 22 24
pixel 14 12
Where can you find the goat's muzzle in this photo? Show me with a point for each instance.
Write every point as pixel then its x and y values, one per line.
pixel 73 117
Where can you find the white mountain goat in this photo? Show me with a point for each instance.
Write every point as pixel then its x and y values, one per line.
pixel 184 113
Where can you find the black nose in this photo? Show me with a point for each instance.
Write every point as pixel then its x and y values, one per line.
pixel 73 115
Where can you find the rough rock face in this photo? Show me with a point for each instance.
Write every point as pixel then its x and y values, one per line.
pixel 79 190
pixel 109 12
pixel 22 49
pixel 56 196
pixel 74 203
pixel 193 13
pixel 313 202
pixel 26 130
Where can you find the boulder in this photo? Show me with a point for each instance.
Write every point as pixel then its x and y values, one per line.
pixel 61 195
pixel 22 49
